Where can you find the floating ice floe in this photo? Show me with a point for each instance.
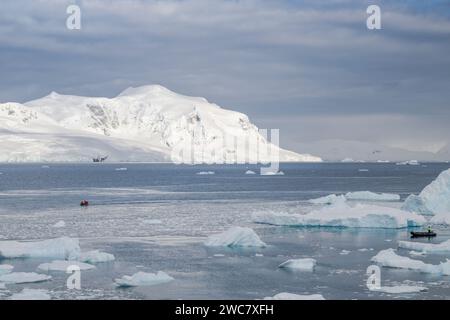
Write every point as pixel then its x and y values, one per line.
pixel 363 170
pixel 272 173
pixel 31 294
pixel 5 268
pixel 434 198
pixel 417 253
pixel 202 173
pixel 60 248
pixel 23 277
pixel 63 265
pixel 371 196
pixel 443 247
pixel 121 169
pixel 388 258
pixel 96 256
pixel 344 252
pixel 292 296
pixel 235 237
pixel 400 289
pixel 408 163
pixel 306 264
pixel 344 215
pixel 143 279
pixel 59 224
pixel 330 199
pixel 250 172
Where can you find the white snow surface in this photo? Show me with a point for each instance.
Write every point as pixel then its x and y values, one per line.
pixel 293 296
pixel 23 277
pixel 63 265
pixel 96 256
pixel 443 247
pixel 305 264
pixel 31 294
pixel 341 214
pixel 235 237
pixel 147 123
pixel 434 198
pixel 59 248
pixel 143 279
pixel 389 258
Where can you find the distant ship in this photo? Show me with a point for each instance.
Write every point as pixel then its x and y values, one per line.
pixel 99 159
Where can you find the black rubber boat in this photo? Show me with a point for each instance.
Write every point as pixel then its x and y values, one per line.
pixel 415 234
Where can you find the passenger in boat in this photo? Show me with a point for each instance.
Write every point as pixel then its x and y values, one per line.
pixel 429 229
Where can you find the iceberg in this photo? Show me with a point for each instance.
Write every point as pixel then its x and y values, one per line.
pixel 443 247
pixel 372 196
pixel 60 248
pixel 5 268
pixel 400 289
pixel 235 237
pixel 344 215
pixel 31 294
pixel 441 218
pixel 306 264
pixel 96 256
pixel 63 265
pixel 143 279
pixel 434 198
pixel 23 277
pixel 330 199
pixel 292 296
pixel 389 258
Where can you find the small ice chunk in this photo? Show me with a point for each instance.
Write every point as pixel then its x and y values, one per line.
pixel 121 169
pixel 202 173
pixel 330 199
pixel 235 237
pixel 372 196
pixel 292 296
pixel 272 173
pixel 417 253
pixel 363 170
pixel 250 172
pixel 144 279
pixel 23 277
pixel 443 247
pixel 399 289
pixel 5 268
pixel 344 252
pixel 60 248
pixel 408 163
pixel 306 264
pixel 59 224
pixel 96 256
pixel 63 265
pixel 31 294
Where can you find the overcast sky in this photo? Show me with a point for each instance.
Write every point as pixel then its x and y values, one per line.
pixel 310 68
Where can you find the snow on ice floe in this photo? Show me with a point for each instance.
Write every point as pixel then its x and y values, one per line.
pixel 59 224
pixel 5 268
pixel 389 258
pixel 23 277
pixel 443 247
pixel 434 198
pixel 96 256
pixel 306 264
pixel 250 172
pixel 59 248
pixel 31 294
pixel 143 279
pixel 204 173
pixel 292 296
pixel 400 289
pixel 63 265
pixel 344 215
pixel 372 196
pixel 235 237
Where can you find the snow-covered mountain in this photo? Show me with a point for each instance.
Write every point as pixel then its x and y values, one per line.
pixel 149 123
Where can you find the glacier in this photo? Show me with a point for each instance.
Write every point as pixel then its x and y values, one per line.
pixel 143 124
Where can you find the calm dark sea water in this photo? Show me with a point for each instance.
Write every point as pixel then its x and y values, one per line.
pixel 156 216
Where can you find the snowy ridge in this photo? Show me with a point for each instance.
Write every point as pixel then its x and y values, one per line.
pixel 141 124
